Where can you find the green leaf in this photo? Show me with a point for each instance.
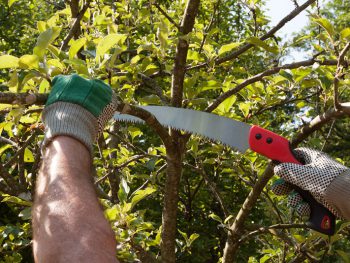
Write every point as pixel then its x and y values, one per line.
pixel 141 194
pixel 45 39
pixel 257 42
pixel 226 105
pixel 183 234
pixel 4 148
pixel 75 46
pixel 215 217
pixel 111 213
pixel 344 255
pixel 123 191
pixel 42 26
pixel 244 107
pixel 345 33
pixel 28 156
pixel 228 47
pixel 26 213
pixel 108 42
pixel 265 258
pixel 27 119
pixel 8 61
pixel 11 2
pixel 15 200
pixel 162 35
pixel 323 22
pixel 29 62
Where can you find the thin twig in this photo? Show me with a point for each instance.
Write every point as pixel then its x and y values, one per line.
pixel 260 76
pixel 8 141
pixel 75 27
pixel 166 15
pixel 268 35
pixel 22 149
pixel 263 230
pixel 338 75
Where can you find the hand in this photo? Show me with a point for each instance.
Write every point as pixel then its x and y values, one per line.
pixel 315 176
pixel 78 108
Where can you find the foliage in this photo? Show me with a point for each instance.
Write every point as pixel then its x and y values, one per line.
pixel 133 46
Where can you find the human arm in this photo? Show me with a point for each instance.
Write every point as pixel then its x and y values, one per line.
pixel 68 221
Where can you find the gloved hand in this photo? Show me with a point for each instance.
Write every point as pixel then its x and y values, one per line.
pixel 78 108
pixel 327 180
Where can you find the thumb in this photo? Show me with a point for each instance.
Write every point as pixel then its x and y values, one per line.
pixel 293 173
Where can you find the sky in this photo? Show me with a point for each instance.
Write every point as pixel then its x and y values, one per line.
pixel 277 9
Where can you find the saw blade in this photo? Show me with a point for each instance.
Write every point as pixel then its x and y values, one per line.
pixel 214 127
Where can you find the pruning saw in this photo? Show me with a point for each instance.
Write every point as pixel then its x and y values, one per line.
pixel 240 136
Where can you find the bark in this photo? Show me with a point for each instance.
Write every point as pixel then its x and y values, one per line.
pixel 176 151
pixel 171 198
pixel 77 16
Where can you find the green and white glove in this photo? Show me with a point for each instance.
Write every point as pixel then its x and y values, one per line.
pixel 327 180
pixel 79 108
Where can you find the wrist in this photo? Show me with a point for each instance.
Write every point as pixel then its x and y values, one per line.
pixel 69 119
pixel 337 194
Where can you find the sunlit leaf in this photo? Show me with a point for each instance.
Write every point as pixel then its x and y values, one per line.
pixel 16 200
pixel 111 213
pixel 29 62
pixel 108 42
pixel 11 2
pixel 75 46
pixel 141 194
pixel 244 107
pixel 215 217
pixel 4 148
pixel 8 61
pixel 228 47
pixel 259 43
pixel 45 39
pixel 345 33
pixel 28 156
pixel 323 22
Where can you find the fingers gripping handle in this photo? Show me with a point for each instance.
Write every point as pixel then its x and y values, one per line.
pixel 277 148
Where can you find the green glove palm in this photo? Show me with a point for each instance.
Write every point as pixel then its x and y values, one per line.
pixel 78 108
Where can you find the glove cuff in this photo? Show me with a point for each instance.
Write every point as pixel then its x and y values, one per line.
pixel 69 119
pixel 338 194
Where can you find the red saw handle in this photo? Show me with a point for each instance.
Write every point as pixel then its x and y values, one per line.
pixel 277 148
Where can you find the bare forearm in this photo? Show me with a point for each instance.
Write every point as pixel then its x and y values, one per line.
pixel 68 221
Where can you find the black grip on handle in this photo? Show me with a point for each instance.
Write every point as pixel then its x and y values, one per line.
pixel 321 219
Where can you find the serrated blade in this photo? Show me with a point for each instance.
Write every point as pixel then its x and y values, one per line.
pixel 227 131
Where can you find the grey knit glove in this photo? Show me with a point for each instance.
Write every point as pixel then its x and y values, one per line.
pixel 78 108
pixel 316 176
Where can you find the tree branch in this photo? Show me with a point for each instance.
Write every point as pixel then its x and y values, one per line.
pixel 76 25
pixel 166 15
pixel 23 98
pixel 269 34
pixel 260 76
pixel 338 75
pixel 181 53
pixel 263 230
pixel 8 141
pixel 176 152
pixel 152 83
